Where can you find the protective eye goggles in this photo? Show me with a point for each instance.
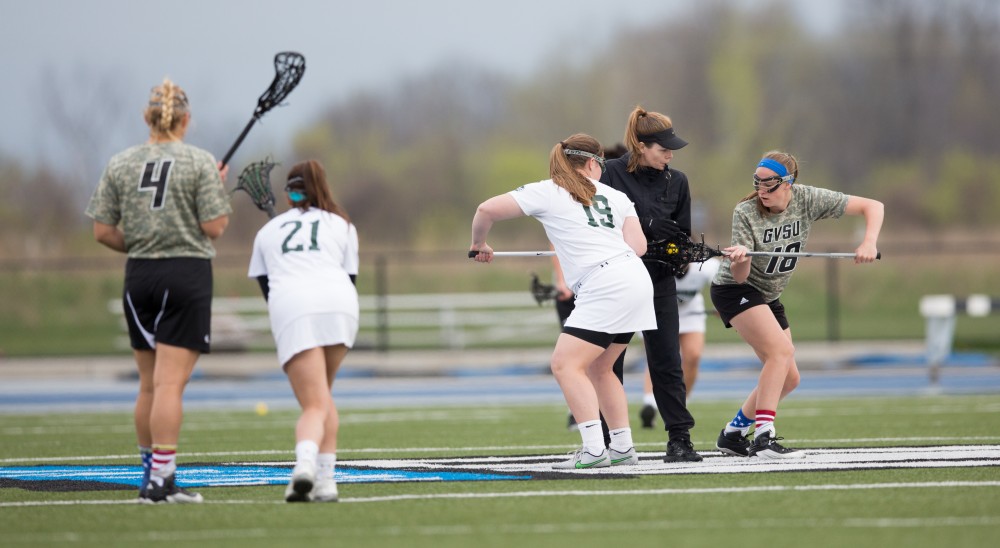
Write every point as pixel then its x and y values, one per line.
pixel 573 152
pixel 770 184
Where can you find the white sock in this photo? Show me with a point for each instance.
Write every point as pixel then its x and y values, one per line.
pixel 765 428
pixel 621 439
pixel 306 451
pixel 743 431
pixel 593 436
pixel 326 463
pixel 649 399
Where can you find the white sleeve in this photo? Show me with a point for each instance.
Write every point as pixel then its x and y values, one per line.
pixel 351 253
pixel 532 198
pixel 257 266
pixel 622 202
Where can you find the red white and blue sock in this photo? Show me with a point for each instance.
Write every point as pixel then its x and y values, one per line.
pixel 765 422
pixel 146 454
pixel 164 463
pixel 739 423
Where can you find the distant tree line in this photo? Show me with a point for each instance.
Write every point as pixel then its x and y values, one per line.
pixel 899 103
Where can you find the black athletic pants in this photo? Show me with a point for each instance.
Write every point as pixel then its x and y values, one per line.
pixel 663 356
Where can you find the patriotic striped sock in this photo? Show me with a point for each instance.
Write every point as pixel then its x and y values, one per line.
pixel 146 454
pixel 740 422
pixel 164 462
pixel 765 422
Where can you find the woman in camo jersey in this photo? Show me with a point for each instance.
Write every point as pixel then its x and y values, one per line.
pixel 162 203
pixel 775 217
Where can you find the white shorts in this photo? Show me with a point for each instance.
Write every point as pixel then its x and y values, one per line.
pixel 313 331
pixel 691 318
pixel 616 297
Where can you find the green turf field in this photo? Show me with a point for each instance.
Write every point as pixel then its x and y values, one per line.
pixel 950 504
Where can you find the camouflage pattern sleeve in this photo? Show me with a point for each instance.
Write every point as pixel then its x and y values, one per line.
pixel 825 204
pixel 742 228
pixel 105 205
pixel 211 198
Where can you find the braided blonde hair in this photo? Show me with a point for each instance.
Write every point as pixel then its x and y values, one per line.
pixel 166 109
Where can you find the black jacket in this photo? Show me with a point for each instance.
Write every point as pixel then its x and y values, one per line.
pixel 656 195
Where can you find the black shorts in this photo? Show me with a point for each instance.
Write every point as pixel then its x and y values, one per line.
pixel 168 301
pixel 597 338
pixel 731 299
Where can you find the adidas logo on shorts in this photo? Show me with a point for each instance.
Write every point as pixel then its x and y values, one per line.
pixel 743 301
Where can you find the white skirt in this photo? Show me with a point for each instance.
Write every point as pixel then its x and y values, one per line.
pixel 692 317
pixel 615 297
pixel 313 331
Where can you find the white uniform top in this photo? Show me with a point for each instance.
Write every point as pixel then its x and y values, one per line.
pixel 583 237
pixel 307 257
pixel 690 302
pixel 613 291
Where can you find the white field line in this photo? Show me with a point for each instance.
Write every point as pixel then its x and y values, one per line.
pixel 261 423
pixel 543 530
pixel 595 492
pixel 803 443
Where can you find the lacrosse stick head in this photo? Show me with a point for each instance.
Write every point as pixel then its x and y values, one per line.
pixel 541 292
pixel 289 67
pixel 255 180
pixel 678 254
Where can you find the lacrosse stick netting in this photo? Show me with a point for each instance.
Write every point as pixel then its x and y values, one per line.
pixel 289 67
pixel 255 180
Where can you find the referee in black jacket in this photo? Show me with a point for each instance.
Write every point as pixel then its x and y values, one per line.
pixel 663 201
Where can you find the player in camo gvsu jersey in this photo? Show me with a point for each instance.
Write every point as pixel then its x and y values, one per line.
pixel 162 203
pixel 775 217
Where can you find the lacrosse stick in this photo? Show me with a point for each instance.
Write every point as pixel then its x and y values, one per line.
pixel 699 252
pixel 541 292
pixel 255 180
pixel 678 254
pixel 288 67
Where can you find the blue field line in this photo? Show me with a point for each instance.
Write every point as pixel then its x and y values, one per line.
pixel 233 475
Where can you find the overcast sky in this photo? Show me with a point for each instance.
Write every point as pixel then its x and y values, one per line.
pixel 61 51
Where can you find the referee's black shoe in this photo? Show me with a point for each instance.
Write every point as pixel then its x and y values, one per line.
pixel 647 415
pixel 681 450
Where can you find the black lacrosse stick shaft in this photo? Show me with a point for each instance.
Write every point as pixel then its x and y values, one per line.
pixel 239 140
pixel 289 67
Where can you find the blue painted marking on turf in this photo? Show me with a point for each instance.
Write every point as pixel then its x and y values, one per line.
pixel 222 475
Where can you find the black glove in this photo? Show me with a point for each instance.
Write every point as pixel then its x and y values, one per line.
pixel 657 230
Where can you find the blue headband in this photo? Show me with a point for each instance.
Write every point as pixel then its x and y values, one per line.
pixel 774 166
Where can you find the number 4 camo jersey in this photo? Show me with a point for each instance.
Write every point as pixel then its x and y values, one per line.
pixel 159 194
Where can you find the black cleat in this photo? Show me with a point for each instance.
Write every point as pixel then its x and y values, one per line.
pixel 571 423
pixel 766 447
pixel 681 450
pixel 647 415
pixel 733 444
pixel 169 492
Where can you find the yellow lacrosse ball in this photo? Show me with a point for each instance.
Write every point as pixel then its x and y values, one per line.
pixel 261 408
